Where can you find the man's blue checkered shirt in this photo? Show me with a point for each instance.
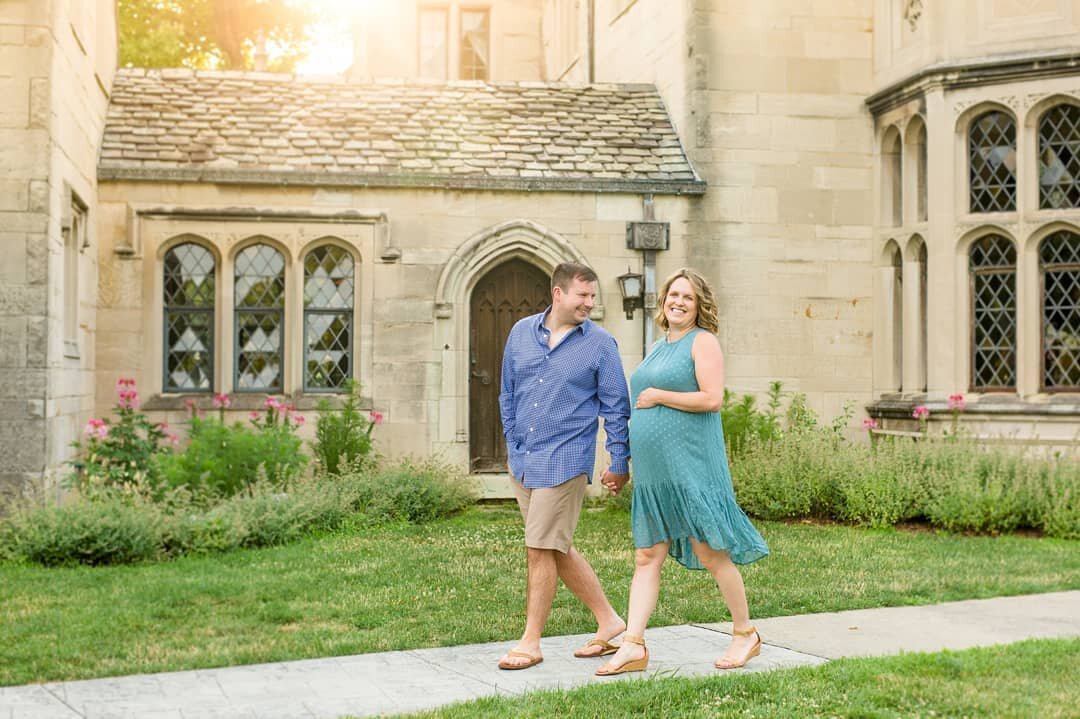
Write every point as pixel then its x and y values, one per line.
pixel 551 400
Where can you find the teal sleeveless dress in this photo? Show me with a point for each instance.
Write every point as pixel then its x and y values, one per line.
pixel 682 483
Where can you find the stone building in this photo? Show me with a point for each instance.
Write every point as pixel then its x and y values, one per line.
pixel 884 193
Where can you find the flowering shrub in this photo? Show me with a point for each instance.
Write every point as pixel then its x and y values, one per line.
pixel 118 454
pixel 922 414
pixel 343 437
pixel 222 460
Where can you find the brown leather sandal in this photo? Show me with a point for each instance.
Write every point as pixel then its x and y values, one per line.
pixel 606 648
pixel 634 665
pixel 755 649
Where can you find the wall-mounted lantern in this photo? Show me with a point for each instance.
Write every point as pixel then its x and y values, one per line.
pixel 633 297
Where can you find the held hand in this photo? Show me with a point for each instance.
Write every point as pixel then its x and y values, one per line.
pixel 614 482
pixel 649 397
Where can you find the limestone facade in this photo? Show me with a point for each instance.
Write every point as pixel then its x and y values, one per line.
pixel 812 157
pixel 57 61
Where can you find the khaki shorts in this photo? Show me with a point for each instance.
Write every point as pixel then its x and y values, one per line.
pixel 551 513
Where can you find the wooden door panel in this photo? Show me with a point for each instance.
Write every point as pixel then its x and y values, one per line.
pixel 513 290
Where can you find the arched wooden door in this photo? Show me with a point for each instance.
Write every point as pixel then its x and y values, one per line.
pixel 508 292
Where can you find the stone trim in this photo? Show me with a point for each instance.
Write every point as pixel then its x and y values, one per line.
pixel 954 75
pixel 989 405
pixel 226 176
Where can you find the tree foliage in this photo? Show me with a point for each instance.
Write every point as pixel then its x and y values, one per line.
pixel 212 34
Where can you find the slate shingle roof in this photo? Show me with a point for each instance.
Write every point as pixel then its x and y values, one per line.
pixel 182 125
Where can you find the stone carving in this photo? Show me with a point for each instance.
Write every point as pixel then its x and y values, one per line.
pixel 912 12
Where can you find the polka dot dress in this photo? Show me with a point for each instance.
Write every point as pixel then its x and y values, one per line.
pixel 682 483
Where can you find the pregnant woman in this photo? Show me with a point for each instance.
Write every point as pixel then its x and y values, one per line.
pixel 684 504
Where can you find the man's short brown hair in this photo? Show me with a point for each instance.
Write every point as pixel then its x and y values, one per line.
pixel 567 272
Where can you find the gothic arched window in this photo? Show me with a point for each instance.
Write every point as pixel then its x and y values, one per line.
pixel 259 312
pixel 993 308
pixel 992 160
pixel 188 299
pixel 328 318
pixel 1059 262
pixel 1059 158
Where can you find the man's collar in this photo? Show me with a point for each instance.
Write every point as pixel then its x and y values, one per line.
pixel 585 326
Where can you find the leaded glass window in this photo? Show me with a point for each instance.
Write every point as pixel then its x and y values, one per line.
pixel 474 42
pixel 259 309
pixel 1059 257
pixel 993 303
pixel 992 155
pixel 188 300
pixel 1059 158
pixel 328 318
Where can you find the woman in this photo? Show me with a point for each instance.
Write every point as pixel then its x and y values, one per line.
pixel 684 504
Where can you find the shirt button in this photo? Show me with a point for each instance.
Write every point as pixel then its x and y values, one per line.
pixel 541 381
pixel 532 429
pixel 535 404
pixel 527 452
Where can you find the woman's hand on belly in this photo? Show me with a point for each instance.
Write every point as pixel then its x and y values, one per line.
pixel 649 397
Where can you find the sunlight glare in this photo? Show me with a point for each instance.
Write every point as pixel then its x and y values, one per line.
pixel 331 49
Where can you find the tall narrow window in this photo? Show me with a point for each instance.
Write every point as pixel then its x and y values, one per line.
pixel 433 43
pixel 923 317
pixel 1059 259
pixel 992 160
pixel 328 318
pixel 896 315
pixel 993 304
pixel 475 45
pixel 260 303
pixel 892 179
pixel 74 241
pixel 920 157
pixel 188 300
pixel 1059 158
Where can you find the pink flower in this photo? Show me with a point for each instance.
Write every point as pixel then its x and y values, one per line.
pixel 299 419
pixel 870 423
pixel 163 426
pixel 957 403
pixel 375 417
pixel 96 428
pixel 129 399
pixel 921 412
pixel 123 383
pixel 253 414
pixel 221 401
pixel 173 439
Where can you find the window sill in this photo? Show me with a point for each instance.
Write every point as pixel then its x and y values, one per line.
pixel 1040 405
pixel 247 401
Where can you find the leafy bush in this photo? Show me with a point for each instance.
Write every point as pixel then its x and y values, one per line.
pixel 112 530
pixel 343 436
pixel 742 421
pixel 410 491
pixel 222 460
pixel 115 529
pixel 119 453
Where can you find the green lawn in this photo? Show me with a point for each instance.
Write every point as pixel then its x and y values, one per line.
pixel 1029 679
pixel 457 581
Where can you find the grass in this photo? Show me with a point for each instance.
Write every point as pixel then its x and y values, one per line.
pixel 1036 678
pixel 457 581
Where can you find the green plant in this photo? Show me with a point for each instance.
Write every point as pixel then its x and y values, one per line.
pixel 118 454
pixel 109 530
pixel 343 436
pixel 742 421
pixel 221 460
pixel 410 491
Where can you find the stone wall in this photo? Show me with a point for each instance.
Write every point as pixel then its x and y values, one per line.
pixel 769 98
pixel 56 64
pixel 420 253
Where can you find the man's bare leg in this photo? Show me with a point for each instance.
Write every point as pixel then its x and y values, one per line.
pixel 579 577
pixel 539 595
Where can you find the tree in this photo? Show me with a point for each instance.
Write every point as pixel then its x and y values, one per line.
pixel 212 34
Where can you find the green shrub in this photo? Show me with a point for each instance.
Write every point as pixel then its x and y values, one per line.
pixel 742 421
pixel 107 531
pixel 222 460
pixel 411 491
pixel 119 453
pixel 343 436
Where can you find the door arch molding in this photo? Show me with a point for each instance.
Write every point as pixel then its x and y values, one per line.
pixel 515 239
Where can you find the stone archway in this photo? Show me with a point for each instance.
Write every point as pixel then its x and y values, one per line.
pixel 522 240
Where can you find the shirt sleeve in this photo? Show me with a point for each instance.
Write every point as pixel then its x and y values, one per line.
pixel 506 389
pixel 614 406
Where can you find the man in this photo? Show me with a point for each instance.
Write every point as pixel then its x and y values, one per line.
pixel 560 373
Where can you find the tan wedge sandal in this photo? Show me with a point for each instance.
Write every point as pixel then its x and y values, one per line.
pixel 755 649
pixel 634 665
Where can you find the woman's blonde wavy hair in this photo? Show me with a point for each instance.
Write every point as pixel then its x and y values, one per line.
pixel 707 313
